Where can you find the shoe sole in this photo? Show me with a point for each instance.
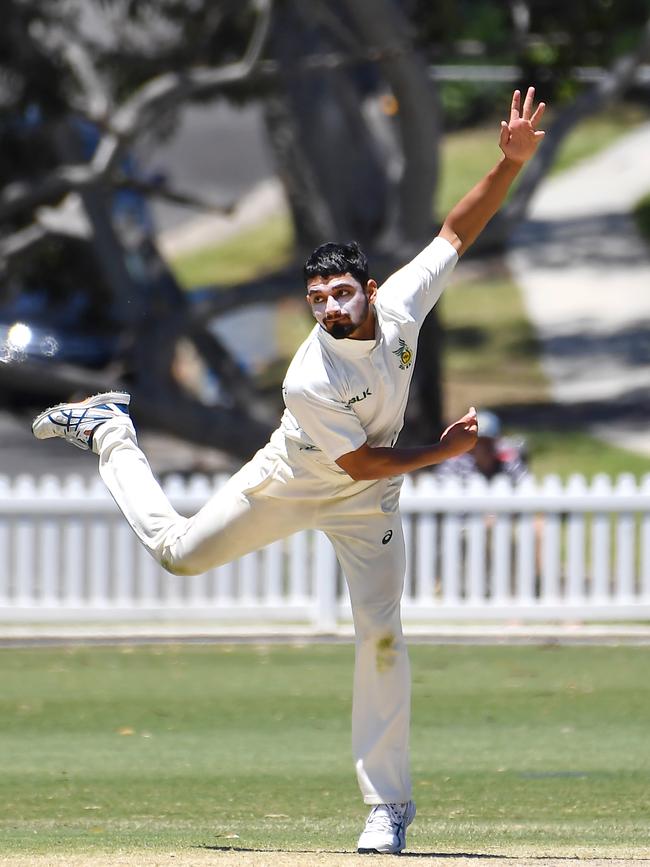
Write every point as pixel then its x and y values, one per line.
pixel 379 852
pixel 96 400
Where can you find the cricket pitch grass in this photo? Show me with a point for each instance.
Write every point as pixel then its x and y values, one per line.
pixel 240 755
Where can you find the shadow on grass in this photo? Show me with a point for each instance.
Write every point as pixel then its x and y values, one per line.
pixel 354 852
pixel 478 856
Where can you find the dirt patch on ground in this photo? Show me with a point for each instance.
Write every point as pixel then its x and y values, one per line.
pixel 238 858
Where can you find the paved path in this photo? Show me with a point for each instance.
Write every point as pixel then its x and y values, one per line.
pixel 585 275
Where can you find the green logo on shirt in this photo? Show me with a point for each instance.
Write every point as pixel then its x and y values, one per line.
pixel 404 353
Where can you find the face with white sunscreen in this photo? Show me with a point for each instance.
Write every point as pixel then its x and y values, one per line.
pixel 341 305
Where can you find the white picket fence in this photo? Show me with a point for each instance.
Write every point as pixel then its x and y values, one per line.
pixel 542 551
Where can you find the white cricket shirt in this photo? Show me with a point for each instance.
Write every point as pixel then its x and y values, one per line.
pixel 341 393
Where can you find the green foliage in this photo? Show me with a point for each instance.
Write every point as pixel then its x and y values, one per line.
pixel 464 102
pixel 519 750
pixel 475 27
pixel 549 42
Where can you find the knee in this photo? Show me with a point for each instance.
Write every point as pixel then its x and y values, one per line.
pixel 179 564
pixel 378 623
pixel 384 650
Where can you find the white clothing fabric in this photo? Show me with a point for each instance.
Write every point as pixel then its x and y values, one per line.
pixel 293 484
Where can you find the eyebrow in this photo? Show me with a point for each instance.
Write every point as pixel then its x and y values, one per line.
pixel 319 287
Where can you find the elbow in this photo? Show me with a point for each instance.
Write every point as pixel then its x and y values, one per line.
pixel 449 233
pixel 370 473
pixel 356 470
pixel 357 474
pixel 361 465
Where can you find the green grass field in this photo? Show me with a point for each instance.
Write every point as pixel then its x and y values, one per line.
pixel 516 750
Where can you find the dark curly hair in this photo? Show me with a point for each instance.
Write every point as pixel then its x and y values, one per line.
pixel 330 259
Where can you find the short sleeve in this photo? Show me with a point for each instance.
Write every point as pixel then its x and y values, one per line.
pixel 334 428
pixel 416 287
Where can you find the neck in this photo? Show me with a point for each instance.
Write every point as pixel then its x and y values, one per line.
pixel 366 331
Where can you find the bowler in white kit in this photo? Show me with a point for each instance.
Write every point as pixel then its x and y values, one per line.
pixel 332 464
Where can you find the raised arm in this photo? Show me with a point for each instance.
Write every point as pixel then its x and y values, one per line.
pixel 518 140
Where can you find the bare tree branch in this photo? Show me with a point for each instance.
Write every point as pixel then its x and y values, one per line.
pixel 166 91
pixel 139 112
pixel 176 195
pixel 20 243
pixel 93 99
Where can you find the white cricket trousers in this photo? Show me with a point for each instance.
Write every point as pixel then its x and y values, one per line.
pixel 276 494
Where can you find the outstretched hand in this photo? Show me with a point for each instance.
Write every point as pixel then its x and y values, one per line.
pixel 519 136
pixel 461 436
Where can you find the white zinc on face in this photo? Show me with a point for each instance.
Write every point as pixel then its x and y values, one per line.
pixel 340 304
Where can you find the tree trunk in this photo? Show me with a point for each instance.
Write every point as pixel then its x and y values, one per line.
pixel 327 157
pixel 384 27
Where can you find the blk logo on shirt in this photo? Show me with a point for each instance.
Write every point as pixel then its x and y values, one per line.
pixel 387 537
pixel 366 393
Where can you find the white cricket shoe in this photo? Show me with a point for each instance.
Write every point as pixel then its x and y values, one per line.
pixel 385 831
pixel 77 422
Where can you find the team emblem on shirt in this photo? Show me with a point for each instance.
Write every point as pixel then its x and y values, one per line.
pixel 404 353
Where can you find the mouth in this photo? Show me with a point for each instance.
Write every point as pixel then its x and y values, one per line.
pixel 339 320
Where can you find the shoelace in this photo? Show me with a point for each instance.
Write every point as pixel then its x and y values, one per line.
pixel 384 817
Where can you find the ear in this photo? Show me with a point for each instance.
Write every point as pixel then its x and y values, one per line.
pixel 371 290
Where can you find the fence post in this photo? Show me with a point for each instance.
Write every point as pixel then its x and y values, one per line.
pixel 551 548
pixel 74 546
pixel 426 561
pixel 25 589
pixel 644 589
pixel 5 548
pixel 625 553
pixel 49 550
pixel 501 486
pixel 477 552
pixel 526 546
pixel 601 554
pixel 451 546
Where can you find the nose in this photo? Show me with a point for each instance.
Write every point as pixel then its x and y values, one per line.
pixel 332 306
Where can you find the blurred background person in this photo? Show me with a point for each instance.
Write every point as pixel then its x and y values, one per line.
pixel 492 455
